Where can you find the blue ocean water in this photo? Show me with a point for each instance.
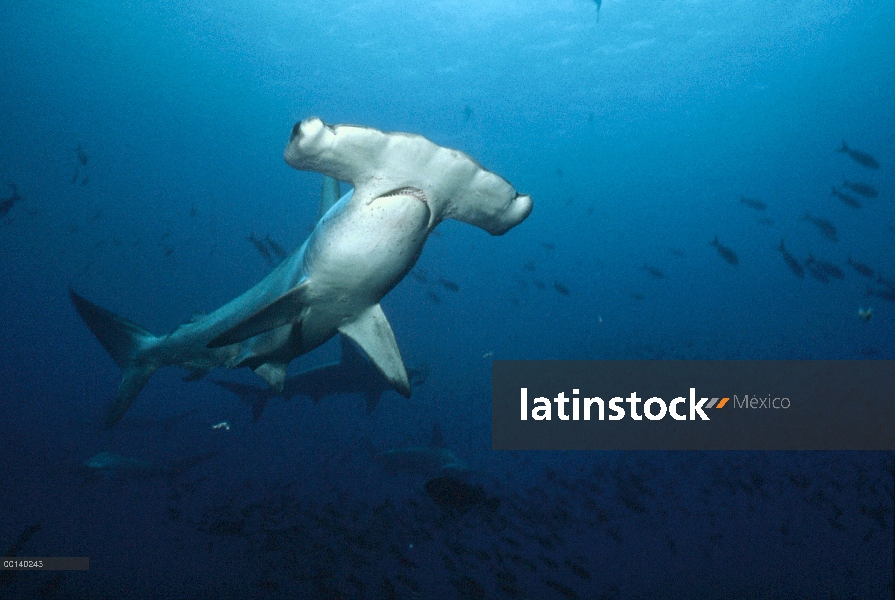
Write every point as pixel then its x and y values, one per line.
pixel 637 128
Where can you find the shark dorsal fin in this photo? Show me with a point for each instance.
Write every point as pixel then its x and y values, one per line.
pixel 329 195
pixel 371 331
pixel 437 440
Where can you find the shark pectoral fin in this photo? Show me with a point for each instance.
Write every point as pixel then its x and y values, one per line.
pixel 351 355
pixel 371 331
pixel 288 308
pixel 132 381
pixel 273 373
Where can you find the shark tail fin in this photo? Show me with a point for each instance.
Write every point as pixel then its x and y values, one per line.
pixel 844 147
pixel 132 381
pixel 126 342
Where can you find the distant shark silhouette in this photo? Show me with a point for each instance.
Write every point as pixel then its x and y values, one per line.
pixel 365 243
pixel 429 461
pixel 351 375
pixel 108 465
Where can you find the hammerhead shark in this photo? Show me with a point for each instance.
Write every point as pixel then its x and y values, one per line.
pixel 431 461
pixel 108 465
pixel 352 374
pixel 361 248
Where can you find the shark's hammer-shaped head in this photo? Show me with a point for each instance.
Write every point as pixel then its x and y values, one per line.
pixel 377 163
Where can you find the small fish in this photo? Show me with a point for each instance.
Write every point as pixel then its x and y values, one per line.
pixel 6 204
pixel 193 211
pixel 888 295
pixel 862 158
pixel 529 266
pixel 548 245
pixel 865 313
pixel 657 273
pixel 766 221
pixel 637 296
pixel 861 268
pixel 467 113
pixel 261 248
pixel 677 252
pixel 791 261
pixel 865 189
pixel 817 273
pixel 725 252
pixel 599 3
pixel 434 297
pixel 825 267
pixel 539 284
pixel 74 178
pixel 826 228
pixel 84 180
pixel 419 275
pixel 51 587
pixel 23 538
pixel 449 284
pixel 564 590
pixel 561 288
pixel 578 569
pixel 845 198
pixel 886 282
pixel 82 156
pixel 753 203
pixel 276 248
